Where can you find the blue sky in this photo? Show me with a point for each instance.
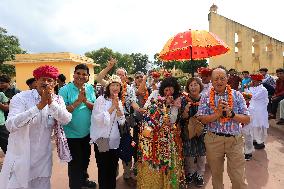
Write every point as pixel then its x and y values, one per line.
pixel 126 26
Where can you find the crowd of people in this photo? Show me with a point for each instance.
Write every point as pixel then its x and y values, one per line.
pixel 163 134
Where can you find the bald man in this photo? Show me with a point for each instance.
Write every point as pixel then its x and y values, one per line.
pixel 223 110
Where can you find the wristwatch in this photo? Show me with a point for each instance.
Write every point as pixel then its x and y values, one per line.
pixel 233 114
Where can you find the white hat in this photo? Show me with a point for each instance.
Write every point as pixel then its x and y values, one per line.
pixel 114 79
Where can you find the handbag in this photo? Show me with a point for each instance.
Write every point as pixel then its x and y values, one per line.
pixel 195 127
pixel 102 142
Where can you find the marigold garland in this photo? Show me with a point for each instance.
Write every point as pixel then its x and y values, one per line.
pixel 188 99
pixel 230 101
pixel 145 97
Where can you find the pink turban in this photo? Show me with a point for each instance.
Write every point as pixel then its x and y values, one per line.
pixel 46 71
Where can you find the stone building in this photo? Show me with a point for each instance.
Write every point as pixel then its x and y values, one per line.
pixel 250 49
pixel 65 62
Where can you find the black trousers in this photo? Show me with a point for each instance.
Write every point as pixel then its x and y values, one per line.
pixel 4 135
pixel 80 149
pixel 274 104
pixel 107 163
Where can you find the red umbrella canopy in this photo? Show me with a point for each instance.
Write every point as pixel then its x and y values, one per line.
pixel 193 44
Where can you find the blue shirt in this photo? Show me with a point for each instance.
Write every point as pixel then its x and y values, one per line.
pixel 79 126
pixel 231 127
pixel 245 81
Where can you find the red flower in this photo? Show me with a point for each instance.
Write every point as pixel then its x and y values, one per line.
pixel 155 74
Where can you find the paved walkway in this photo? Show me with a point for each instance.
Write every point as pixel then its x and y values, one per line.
pixel 265 170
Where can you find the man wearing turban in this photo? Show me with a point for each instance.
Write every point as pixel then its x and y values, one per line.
pixel 256 130
pixel 205 75
pixel 32 117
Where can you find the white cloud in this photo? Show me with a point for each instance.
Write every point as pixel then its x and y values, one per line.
pixel 125 25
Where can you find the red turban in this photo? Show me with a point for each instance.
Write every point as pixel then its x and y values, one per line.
pixel 257 77
pixel 46 71
pixel 155 74
pixel 204 71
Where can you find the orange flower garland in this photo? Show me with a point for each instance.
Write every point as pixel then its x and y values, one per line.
pixel 230 101
pixel 188 99
pixel 145 97
pixel 123 93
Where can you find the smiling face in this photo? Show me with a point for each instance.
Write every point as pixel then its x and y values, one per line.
pixel 80 77
pixel 114 88
pixel 280 75
pixel 138 80
pixel 45 83
pixel 194 88
pixel 219 80
pixel 169 91
pixel 121 73
pixel 205 79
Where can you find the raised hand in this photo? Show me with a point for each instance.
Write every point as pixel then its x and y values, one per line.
pixel 111 62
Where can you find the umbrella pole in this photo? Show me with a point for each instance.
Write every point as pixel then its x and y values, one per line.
pixel 190 61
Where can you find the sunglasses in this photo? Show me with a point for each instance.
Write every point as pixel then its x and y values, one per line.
pixel 138 77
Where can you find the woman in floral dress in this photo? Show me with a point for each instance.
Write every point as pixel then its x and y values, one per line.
pixel 160 164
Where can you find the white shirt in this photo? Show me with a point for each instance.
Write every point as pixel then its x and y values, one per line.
pixel 29 153
pixel 104 124
pixel 258 106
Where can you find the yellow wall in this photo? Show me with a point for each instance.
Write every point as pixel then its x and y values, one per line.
pixel 24 71
pixel 271 57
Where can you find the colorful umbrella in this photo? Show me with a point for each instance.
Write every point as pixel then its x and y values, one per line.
pixel 193 45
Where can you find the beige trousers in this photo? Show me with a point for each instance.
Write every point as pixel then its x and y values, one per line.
pixel 216 149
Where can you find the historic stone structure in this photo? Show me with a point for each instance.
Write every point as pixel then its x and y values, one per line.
pixel 65 62
pixel 250 49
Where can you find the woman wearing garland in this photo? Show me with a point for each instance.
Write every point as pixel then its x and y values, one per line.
pixel 160 145
pixel 194 147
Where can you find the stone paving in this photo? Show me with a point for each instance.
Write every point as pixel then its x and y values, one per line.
pixel 265 170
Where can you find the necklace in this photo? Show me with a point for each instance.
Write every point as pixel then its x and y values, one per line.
pixel 212 102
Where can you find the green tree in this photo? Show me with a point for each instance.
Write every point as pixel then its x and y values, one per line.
pixel 191 66
pixel 102 56
pixel 140 61
pixel 9 46
pixel 125 61
pixel 157 62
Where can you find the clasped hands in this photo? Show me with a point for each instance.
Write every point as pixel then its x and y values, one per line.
pixel 115 105
pixel 223 109
pixel 46 96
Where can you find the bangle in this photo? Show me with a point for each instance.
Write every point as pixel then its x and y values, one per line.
pixel 72 107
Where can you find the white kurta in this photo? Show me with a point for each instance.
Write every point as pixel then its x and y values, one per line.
pixel 258 106
pixel 257 128
pixel 104 124
pixel 29 154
